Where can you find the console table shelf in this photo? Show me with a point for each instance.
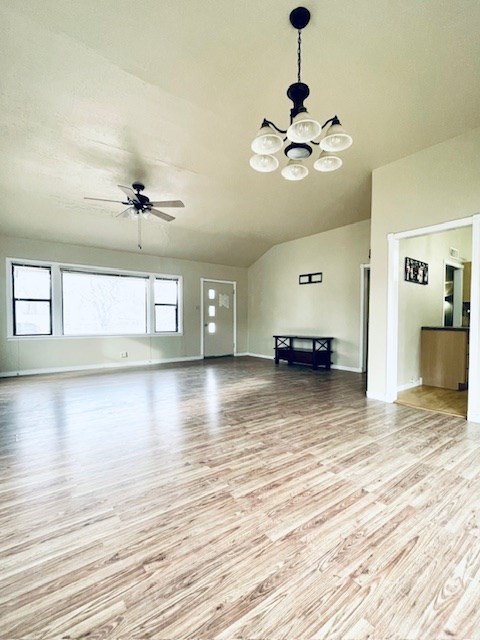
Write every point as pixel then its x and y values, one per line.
pixel 311 350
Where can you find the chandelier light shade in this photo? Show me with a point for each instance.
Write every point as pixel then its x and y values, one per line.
pixel 327 162
pixel 267 140
pixel 336 139
pixel 298 140
pixel 294 170
pixel 263 163
pixel 303 128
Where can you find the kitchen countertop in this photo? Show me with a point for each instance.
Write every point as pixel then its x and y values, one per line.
pixel 445 328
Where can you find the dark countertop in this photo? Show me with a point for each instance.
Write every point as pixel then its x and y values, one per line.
pixel 445 328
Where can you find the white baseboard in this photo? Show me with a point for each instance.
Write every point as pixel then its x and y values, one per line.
pixel 341 367
pixel 96 367
pixel 410 385
pixel 240 355
pixel 334 366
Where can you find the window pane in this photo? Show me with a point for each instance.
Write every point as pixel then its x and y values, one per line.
pixel 211 294
pixel 211 327
pixel 31 282
pixel 211 310
pixel 97 304
pixel 32 318
pixel 165 318
pixel 165 291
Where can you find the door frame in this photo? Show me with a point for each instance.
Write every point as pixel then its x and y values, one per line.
pixel 202 328
pixel 473 411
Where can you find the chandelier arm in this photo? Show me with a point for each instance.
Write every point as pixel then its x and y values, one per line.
pixel 272 124
pixel 333 120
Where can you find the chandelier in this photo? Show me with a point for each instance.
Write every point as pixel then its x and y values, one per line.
pixel 303 129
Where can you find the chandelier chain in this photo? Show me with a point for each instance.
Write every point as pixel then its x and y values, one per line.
pixel 299 54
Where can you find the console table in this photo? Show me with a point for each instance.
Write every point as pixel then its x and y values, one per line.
pixel 311 350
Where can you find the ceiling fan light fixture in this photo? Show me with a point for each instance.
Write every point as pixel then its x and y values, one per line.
pixel 294 170
pixel 303 128
pixel 263 163
pixel 327 162
pixel 336 139
pixel 267 141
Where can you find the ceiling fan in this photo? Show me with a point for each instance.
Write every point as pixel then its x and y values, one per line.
pixel 140 206
pixel 138 203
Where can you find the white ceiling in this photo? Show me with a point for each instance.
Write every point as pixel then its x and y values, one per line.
pixel 96 93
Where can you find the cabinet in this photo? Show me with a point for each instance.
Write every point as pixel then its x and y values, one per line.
pixel 444 357
pixel 311 350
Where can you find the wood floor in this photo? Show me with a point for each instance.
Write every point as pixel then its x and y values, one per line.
pixel 435 399
pixel 233 499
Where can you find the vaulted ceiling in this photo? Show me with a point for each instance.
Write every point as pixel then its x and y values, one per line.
pixel 96 94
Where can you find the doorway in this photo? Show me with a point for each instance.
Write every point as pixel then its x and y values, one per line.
pixel 218 318
pixel 452 295
pixel 364 316
pixel 393 320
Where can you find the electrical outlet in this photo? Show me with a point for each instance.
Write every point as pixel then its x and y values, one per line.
pixel 124 354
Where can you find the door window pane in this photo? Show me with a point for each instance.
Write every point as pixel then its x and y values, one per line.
pixel 211 310
pixel 211 327
pixel 211 294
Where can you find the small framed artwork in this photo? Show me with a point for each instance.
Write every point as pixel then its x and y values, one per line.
pixel 310 278
pixel 416 271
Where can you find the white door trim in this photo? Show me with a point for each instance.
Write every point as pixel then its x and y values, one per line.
pixel 473 413
pixel 473 409
pixel 202 328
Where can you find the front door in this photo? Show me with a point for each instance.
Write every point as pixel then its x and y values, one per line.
pixel 218 318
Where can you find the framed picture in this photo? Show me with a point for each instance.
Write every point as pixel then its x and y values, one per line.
pixel 310 278
pixel 416 271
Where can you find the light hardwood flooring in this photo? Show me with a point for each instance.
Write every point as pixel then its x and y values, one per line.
pixel 233 499
pixel 436 399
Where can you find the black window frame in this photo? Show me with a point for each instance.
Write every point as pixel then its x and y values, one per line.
pixel 15 300
pixel 165 304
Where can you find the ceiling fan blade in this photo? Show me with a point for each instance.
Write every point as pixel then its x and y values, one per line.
pixel 163 216
pixel 105 200
pixel 167 203
pixel 129 192
pixel 125 213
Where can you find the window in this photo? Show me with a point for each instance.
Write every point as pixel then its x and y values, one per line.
pixel 166 305
pixel 101 304
pixel 32 300
pixel 52 299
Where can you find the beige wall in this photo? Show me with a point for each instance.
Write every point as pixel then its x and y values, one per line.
pixel 278 304
pixel 435 185
pixel 422 305
pixel 27 354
